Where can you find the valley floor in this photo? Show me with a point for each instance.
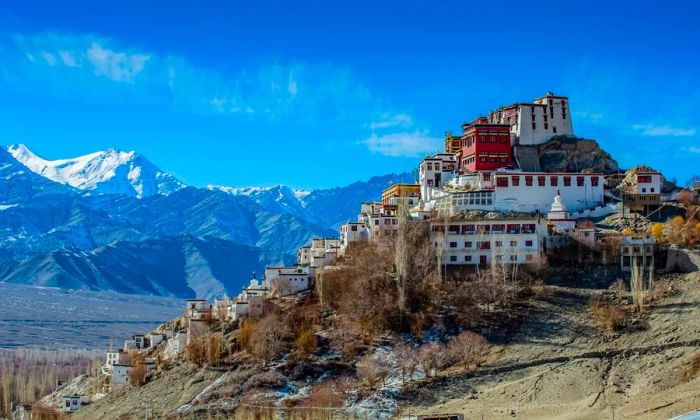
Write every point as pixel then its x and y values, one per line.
pixel 40 316
pixel 558 365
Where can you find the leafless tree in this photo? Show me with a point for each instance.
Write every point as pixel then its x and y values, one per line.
pixel 468 348
pixel 431 357
pixel 406 360
pixel 373 369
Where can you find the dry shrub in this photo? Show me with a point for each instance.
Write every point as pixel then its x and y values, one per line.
pixel 328 394
pixel 406 359
pixel 431 356
pixel 214 349
pixel 693 368
pixel 467 348
pixel 137 374
pixel 269 338
pixel 244 334
pixel 606 316
pixel 345 338
pixel 373 370
pixel 195 351
pixel 620 288
pixel 663 289
pixel 306 343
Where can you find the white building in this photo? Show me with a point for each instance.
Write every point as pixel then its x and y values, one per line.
pixel 304 255
pixel 649 182
pixel 115 358
pixel 72 403
pixel 197 309
pixel 537 122
pixel 512 239
pixel 285 281
pixel 435 171
pixel 523 192
pixel 352 232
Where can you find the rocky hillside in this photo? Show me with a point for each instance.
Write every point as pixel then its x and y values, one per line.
pixel 566 154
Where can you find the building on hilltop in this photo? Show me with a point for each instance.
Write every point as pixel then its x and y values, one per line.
pixel 285 281
pixel 485 146
pixel 401 194
pixel 435 171
pixel 535 123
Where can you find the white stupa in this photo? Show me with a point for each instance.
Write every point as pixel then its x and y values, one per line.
pixel 559 217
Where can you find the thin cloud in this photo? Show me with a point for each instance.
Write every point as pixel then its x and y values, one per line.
pixel 395 120
pixel 117 66
pixel 402 144
pixel 663 130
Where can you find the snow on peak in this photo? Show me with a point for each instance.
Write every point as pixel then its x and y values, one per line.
pixel 105 172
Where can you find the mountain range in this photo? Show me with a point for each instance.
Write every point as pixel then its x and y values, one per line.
pixel 112 220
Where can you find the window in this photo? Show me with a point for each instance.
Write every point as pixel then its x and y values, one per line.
pixel 534 126
pixel 644 190
pixel 499 244
pixel 540 181
pixel 644 179
pixel 437 166
pixel 453 244
pixel 567 181
pixel 513 257
pixel 394 221
pixel 387 221
pixel 528 243
pixel 504 139
pixel 579 181
pixel 485 245
pixel 467 258
pixel 376 222
pixel 453 258
pixel 651 189
pixel 594 181
pixel 482 139
pixel 513 243
pixel 546 126
pixel 487 176
pixel 501 181
pixel 467 244
pixel 492 139
pixel 528 180
pixel 554 130
pixel 515 180
pixel 553 181
pixel 353 228
pixel 528 257
pixel 430 166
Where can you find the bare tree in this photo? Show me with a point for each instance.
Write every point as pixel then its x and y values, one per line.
pixel 373 369
pixel 431 357
pixel 406 359
pixel 468 348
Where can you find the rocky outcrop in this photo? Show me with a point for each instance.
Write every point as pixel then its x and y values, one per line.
pixel 570 154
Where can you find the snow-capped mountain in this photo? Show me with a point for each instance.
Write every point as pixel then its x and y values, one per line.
pixel 105 172
pixel 114 221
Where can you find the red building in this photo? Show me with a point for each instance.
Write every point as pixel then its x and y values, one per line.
pixel 485 146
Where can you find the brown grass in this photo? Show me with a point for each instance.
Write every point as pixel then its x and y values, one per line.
pixel 607 316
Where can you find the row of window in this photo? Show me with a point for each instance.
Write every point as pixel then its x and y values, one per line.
pixel 502 181
pixel 487 244
pixel 482 258
pixel 469 229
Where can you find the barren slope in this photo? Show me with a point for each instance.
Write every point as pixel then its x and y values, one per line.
pixel 558 365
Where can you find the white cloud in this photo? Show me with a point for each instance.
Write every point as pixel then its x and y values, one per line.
pixel 663 130
pixel 591 116
pixel 393 120
pixel 49 58
pixel 117 66
pixel 68 58
pixel 694 149
pixel 402 144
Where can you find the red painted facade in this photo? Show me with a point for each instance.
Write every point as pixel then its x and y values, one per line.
pixel 485 146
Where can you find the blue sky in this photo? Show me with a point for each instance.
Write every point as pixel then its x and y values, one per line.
pixel 320 94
